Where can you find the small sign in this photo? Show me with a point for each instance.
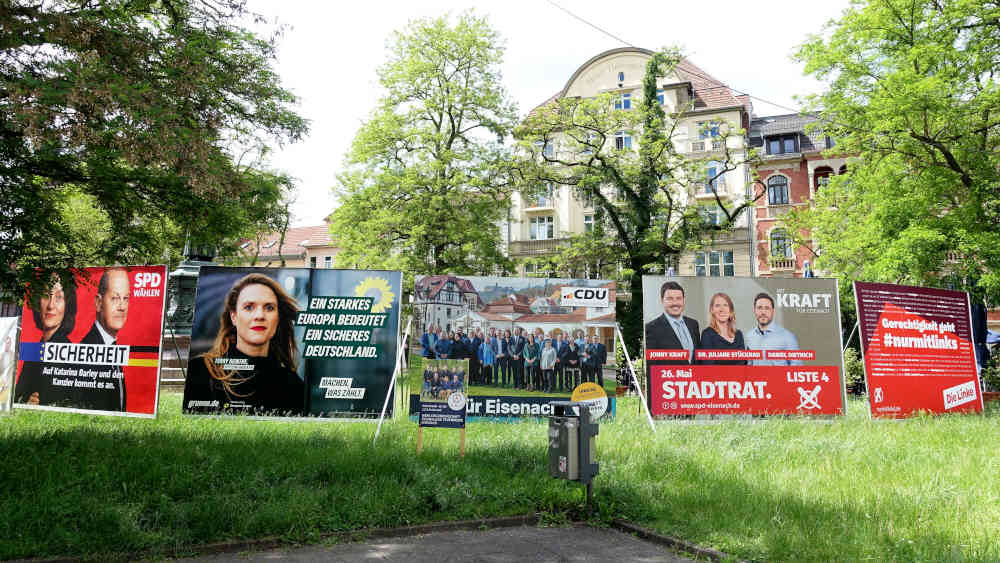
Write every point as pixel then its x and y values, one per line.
pixel 592 396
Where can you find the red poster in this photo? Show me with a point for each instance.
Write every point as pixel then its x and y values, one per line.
pixel 917 347
pixel 695 389
pixel 94 345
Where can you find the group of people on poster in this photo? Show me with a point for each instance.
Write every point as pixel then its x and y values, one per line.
pixel 441 381
pixel 673 330
pixel 530 361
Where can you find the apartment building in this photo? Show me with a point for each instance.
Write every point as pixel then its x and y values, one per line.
pixel 539 225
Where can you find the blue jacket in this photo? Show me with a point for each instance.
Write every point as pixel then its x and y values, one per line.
pixel 443 348
pixel 427 342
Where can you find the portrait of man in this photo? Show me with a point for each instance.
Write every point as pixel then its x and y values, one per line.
pixel 672 330
pixel 111 309
pixel 769 335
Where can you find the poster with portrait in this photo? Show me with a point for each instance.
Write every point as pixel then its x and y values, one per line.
pixel 8 362
pixel 293 342
pixel 916 343
pixel 757 346
pixel 91 343
pixel 528 341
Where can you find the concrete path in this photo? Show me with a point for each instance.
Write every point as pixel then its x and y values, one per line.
pixel 518 544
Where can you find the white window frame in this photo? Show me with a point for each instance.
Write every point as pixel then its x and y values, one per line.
pixel 541 227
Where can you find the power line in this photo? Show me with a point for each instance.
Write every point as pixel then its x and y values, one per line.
pixel 609 34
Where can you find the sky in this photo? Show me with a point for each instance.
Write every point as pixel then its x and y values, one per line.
pixel 329 53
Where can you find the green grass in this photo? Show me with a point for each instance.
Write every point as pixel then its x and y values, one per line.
pixel 924 489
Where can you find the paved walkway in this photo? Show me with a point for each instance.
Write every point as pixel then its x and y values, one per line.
pixel 518 544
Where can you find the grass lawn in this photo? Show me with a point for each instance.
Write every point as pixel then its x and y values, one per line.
pixel 926 489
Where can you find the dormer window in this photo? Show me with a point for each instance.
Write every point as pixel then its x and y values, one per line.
pixel 783 144
pixel 621 77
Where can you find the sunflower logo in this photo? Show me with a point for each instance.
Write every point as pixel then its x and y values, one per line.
pixel 379 290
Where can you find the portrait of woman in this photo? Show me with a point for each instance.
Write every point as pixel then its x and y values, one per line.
pixel 721 332
pixel 54 313
pixel 252 364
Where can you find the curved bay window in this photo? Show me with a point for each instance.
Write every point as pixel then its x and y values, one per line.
pixel 777 190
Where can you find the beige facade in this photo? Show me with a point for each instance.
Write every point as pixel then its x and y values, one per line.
pixel 539 225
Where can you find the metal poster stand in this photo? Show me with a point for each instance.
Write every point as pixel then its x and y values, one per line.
pixel 395 374
pixel 635 379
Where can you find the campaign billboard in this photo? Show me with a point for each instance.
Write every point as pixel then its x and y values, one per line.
pixel 727 345
pixel 8 362
pixel 91 343
pixel 917 348
pixel 293 342
pixel 529 341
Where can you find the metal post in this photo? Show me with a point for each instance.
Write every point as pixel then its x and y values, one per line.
pixel 635 379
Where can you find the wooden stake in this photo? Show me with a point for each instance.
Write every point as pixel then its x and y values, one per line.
pixel 420 439
pixel 461 448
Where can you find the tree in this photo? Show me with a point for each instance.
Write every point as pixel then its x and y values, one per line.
pixel 134 109
pixel 913 93
pixel 644 199
pixel 424 187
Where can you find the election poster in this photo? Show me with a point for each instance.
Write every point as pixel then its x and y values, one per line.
pixel 8 362
pixel 917 349
pixel 443 393
pixel 91 343
pixel 293 342
pixel 748 346
pixel 528 341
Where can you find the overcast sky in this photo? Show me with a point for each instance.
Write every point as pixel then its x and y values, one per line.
pixel 330 51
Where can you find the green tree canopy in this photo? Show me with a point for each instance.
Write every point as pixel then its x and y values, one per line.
pixel 913 93
pixel 645 200
pixel 135 110
pixel 425 185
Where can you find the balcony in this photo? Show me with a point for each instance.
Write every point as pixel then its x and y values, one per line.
pixel 704 145
pixel 535 247
pixel 784 264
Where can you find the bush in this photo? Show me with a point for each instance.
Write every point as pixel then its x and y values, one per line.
pixel 854 372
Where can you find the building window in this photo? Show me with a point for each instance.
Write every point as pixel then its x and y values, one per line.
pixel 529 269
pixel 545 198
pixel 777 190
pixel 711 214
pixel 708 129
pixel 623 101
pixel 843 170
pixel 623 140
pixel 586 197
pixel 621 77
pixel 714 178
pixel 822 175
pixel 715 263
pixel 659 95
pixel 328 261
pixel 546 148
pixel 312 261
pixel 783 144
pixel 781 244
pixel 542 228
pixel 588 223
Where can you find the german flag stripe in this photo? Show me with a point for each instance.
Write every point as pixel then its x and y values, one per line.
pixel 142 362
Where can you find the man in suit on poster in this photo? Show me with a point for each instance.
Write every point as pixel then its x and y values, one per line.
pixel 111 309
pixel 672 330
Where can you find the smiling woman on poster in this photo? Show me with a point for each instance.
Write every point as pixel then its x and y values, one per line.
pixel 252 364
pixel 721 332
pixel 54 313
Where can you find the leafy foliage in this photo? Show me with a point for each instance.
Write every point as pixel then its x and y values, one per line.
pixel 912 92
pixel 645 198
pixel 425 185
pixel 131 109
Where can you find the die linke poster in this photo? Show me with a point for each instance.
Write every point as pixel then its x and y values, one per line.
pixel 917 348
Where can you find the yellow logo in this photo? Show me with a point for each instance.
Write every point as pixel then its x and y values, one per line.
pixel 379 290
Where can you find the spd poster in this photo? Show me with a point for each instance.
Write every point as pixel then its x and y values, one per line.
pixel 917 349
pixel 93 345
pixel 757 346
pixel 293 342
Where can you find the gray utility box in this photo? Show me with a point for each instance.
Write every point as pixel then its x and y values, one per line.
pixel 571 442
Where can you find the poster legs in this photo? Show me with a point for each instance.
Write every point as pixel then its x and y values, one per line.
pixel 392 383
pixel 420 439
pixel 635 379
